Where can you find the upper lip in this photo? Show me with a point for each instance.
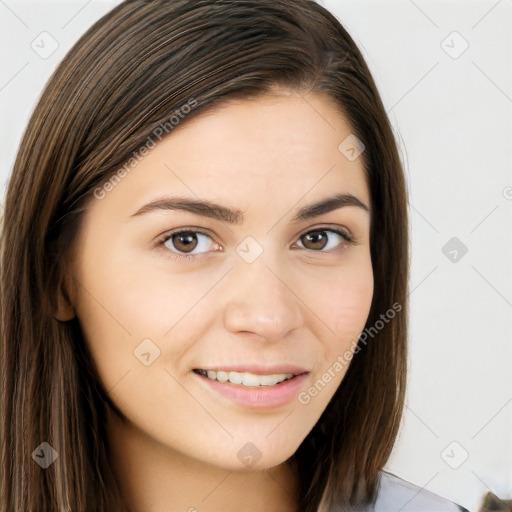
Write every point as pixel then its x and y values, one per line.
pixel 256 368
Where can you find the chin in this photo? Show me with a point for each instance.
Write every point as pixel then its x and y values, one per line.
pixel 249 459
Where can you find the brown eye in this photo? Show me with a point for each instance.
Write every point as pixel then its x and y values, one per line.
pixel 187 243
pixel 319 239
pixel 184 241
pixel 315 240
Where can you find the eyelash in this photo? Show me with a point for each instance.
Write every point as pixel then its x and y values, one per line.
pixel 176 256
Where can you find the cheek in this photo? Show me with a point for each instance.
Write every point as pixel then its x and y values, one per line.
pixel 346 301
pixel 114 311
pixel 123 301
pixel 157 303
pixel 348 311
pixel 345 305
pixel 132 294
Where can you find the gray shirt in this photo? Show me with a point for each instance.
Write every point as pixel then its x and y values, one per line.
pixel 398 495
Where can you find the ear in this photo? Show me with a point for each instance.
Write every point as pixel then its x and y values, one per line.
pixel 64 309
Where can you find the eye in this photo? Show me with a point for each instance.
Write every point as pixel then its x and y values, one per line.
pixel 185 244
pixel 318 239
pixel 186 241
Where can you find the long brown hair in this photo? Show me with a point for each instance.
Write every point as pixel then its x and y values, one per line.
pixel 130 73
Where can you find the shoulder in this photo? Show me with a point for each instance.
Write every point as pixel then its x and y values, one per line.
pixel 396 494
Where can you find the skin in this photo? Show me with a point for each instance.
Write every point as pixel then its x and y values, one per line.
pixel 305 305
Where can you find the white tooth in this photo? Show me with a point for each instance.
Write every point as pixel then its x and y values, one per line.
pixel 235 377
pixel 248 379
pixel 279 377
pixel 222 376
pixel 251 380
pixel 269 380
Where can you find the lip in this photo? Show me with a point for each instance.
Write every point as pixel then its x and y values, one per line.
pixel 261 397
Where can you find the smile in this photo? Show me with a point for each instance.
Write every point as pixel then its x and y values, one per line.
pixel 245 378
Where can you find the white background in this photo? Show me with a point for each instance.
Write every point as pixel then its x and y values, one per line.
pixel 452 114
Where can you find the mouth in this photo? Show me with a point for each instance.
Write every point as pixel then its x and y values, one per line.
pixel 254 386
pixel 246 379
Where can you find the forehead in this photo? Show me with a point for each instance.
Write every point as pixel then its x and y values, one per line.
pixel 279 147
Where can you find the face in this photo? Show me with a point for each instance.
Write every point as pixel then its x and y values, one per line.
pixel 171 297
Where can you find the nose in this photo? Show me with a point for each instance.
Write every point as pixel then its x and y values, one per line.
pixel 261 302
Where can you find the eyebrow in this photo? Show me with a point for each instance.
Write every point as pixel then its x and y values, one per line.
pixel 223 213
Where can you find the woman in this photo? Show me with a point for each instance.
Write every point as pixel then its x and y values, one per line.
pixel 205 270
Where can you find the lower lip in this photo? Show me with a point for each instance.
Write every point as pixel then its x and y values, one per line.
pixel 258 397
